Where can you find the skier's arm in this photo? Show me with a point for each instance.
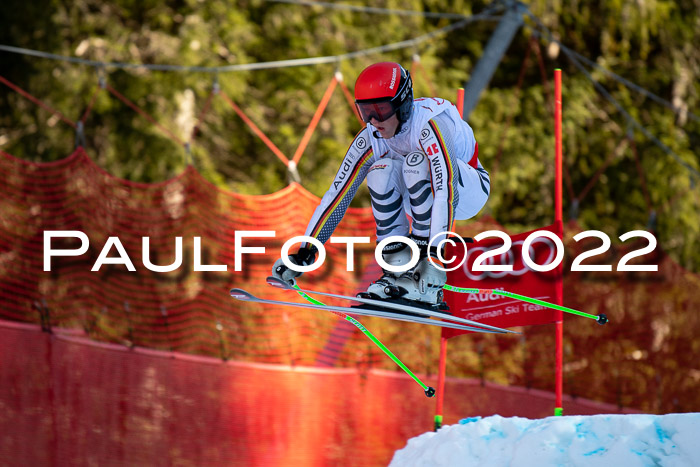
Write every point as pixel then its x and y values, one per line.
pixel 335 202
pixel 443 173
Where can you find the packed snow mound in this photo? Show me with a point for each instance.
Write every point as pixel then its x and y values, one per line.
pixel 597 440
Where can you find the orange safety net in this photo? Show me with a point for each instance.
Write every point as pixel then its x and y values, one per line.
pixel 181 310
pixel 652 331
pixel 67 400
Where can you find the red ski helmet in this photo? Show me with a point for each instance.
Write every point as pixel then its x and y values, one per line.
pixel 382 90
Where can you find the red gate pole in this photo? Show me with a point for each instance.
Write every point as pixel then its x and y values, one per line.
pixel 460 101
pixel 443 340
pixel 558 219
pixel 441 383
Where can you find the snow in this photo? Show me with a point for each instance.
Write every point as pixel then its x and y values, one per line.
pixel 595 440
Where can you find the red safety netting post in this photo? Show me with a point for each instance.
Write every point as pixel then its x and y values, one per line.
pixel 314 121
pixel 349 98
pixel 443 340
pixel 80 124
pixel 415 64
pixel 558 219
pixel 275 150
pixel 38 102
pixel 205 109
pixel 91 104
pixel 144 114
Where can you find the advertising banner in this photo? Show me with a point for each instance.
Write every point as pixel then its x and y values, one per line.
pixel 493 253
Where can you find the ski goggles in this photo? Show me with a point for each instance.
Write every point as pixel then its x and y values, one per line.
pixel 378 110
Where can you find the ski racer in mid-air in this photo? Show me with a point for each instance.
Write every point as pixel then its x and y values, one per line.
pixel 420 159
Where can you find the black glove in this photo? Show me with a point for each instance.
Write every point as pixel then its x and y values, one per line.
pixel 304 257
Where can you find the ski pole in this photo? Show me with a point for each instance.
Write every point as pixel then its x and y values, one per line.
pixel 429 391
pixel 600 319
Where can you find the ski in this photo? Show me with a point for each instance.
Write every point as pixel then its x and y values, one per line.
pixel 387 305
pixel 243 295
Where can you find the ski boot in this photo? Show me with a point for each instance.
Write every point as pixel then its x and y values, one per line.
pixel 422 286
pixel 395 254
pixel 377 290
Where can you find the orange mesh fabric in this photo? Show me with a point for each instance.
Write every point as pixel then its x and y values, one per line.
pixel 109 399
pixel 178 310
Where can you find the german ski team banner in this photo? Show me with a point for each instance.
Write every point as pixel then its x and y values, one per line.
pixel 490 264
